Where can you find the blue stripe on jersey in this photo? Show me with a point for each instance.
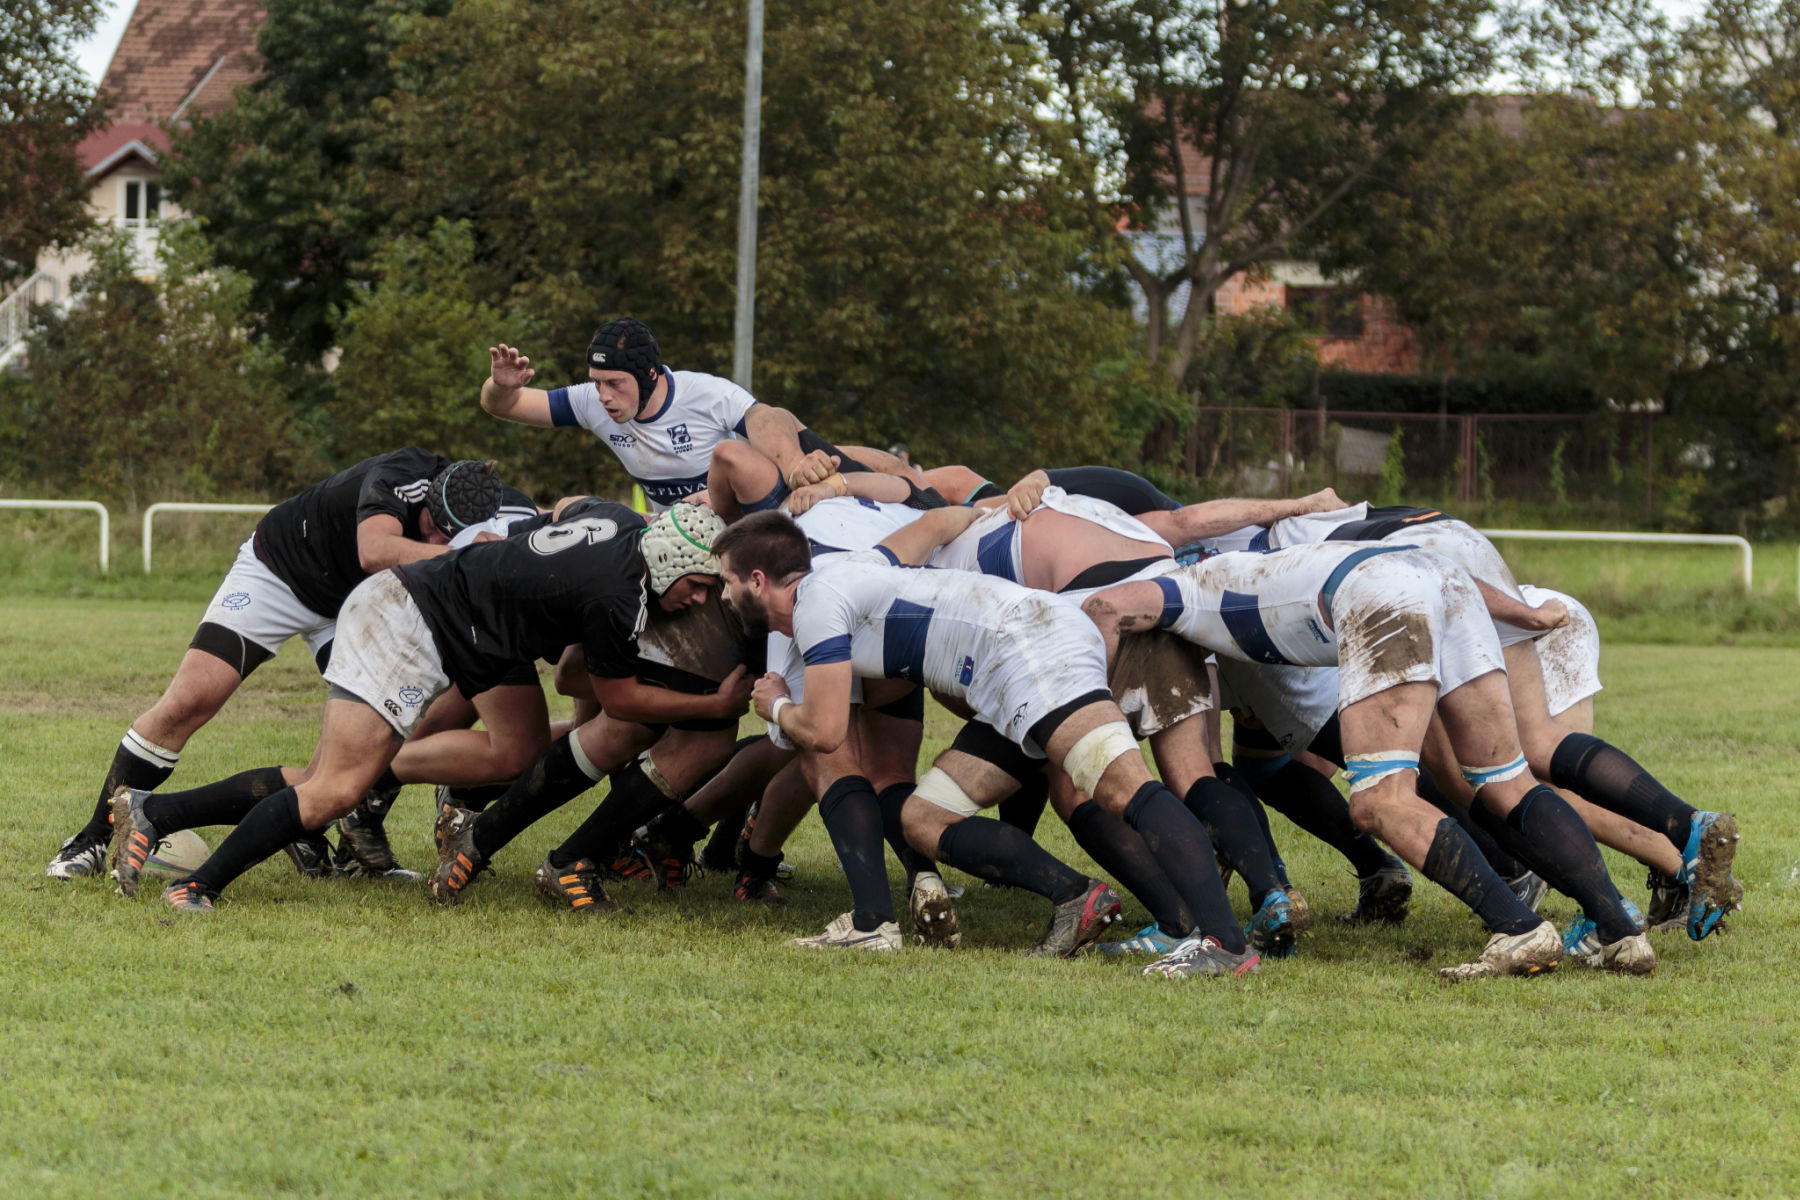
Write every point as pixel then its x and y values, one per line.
pixel 562 413
pixel 1243 620
pixel 889 555
pixel 903 641
pixel 819 548
pixel 739 427
pixel 1336 578
pixel 1172 606
pixel 667 491
pixel 831 650
pixel 1259 541
pixel 994 552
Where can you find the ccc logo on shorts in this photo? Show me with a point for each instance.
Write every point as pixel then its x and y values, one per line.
pixel 411 696
pixel 391 707
pixel 236 600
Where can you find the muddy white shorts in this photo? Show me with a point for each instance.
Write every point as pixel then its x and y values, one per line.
pixel 1469 549
pixel 1046 654
pixel 1570 655
pixel 255 604
pixel 1292 703
pixel 385 655
pixel 1410 617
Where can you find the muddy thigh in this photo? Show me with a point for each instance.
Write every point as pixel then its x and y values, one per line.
pixel 703 641
pixel 1158 680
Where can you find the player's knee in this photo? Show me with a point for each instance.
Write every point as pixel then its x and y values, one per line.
pixel 1365 809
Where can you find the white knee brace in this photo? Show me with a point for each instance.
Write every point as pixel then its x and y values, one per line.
pixel 1096 750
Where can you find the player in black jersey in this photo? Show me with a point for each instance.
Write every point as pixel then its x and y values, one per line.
pixel 466 619
pixel 289 579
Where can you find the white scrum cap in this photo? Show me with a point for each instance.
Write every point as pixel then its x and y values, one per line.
pixel 679 542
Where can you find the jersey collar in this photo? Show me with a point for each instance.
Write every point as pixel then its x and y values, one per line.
pixel 668 401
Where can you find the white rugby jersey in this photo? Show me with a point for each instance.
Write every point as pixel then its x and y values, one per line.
pixel 667 455
pixel 1265 607
pixel 851 523
pixel 990 546
pixel 935 628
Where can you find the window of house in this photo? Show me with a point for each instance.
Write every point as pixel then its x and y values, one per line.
pixel 1335 312
pixel 143 201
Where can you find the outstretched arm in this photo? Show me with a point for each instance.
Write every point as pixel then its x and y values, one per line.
pixel 776 432
pixel 822 722
pixel 1213 517
pixel 381 542
pixel 1502 607
pixel 1127 608
pixel 505 394
pixel 916 543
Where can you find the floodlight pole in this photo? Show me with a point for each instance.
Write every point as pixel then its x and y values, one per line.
pixel 752 168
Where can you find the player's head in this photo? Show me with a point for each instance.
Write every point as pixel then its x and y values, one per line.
pixel 762 559
pixel 464 493
pixel 624 363
pixel 677 547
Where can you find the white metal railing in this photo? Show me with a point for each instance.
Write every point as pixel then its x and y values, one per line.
pixel 1691 539
pixel 93 506
pixel 150 516
pixel 15 310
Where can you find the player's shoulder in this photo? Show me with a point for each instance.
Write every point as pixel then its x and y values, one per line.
pixel 699 388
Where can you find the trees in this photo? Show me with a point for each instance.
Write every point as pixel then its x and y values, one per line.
pixel 46 108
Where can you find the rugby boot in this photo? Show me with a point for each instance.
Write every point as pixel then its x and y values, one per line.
pixel 575 887
pixel 1384 896
pixel 458 859
pixel 187 896
pixel 1203 956
pixel 842 934
pixel 1530 888
pixel 1668 902
pixel 1705 868
pixel 1629 956
pixel 671 862
pixel 1271 929
pixel 79 857
pixel 751 890
pixel 1078 922
pixel 363 848
pixel 1581 940
pixel 933 916
pixel 134 837
pixel 1534 952
pixel 312 856
pixel 1149 940
pixel 630 866
pixel 1299 911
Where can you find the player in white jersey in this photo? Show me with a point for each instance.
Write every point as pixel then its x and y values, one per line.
pixel 1409 634
pixel 1701 844
pixel 668 428
pixel 1026 664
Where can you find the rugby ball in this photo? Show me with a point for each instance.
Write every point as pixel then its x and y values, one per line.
pixel 177 855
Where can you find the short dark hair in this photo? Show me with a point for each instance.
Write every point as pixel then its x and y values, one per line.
pixel 769 542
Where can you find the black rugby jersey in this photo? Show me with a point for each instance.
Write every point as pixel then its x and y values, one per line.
pixel 309 541
pixel 1384 520
pixel 546 584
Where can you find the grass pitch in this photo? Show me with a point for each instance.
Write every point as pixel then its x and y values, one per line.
pixel 323 1039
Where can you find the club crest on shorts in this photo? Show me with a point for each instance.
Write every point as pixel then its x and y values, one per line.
pixel 410 695
pixel 236 600
pixel 968 671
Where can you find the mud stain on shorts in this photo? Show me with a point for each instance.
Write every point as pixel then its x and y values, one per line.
pixel 1388 643
pixel 1158 680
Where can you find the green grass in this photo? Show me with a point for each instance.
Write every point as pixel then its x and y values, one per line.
pixel 320 1039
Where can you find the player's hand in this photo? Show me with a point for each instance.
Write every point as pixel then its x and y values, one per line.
pixel 734 693
pixel 1324 500
pixel 1552 614
pixel 765 692
pixel 816 467
pixel 801 499
pixel 510 369
pixel 1026 494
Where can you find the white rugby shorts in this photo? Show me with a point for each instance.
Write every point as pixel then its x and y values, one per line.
pixel 255 604
pixel 1570 655
pixel 385 655
pixel 1469 549
pixel 1410 617
pixel 1046 654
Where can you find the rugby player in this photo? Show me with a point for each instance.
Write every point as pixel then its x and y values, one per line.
pixel 1410 634
pixel 291 576
pixel 1023 663
pixel 408 634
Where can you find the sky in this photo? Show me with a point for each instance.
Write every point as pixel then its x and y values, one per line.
pixel 97 51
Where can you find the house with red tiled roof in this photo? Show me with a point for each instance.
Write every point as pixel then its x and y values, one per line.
pixel 177 60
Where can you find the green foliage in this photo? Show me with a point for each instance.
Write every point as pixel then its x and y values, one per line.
pixel 46 107
pixel 1558 477
pixel 143 391
pixel 1392 487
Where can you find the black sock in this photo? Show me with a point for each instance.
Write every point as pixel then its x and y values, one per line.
pixel 1001 853
pixel 1231 775
pixel 1025 807
pixel 265 829
pixel 632 801
pixel 758 866
pixel 547 784
pixel 135 764
pixel 1178 840
pixel 1556 842
pixel 1493 847
pixel 680 826
pixel 1312 802
pixel 1603 774
pixel 1454 864
pixel 1232 827
pixel 892 799
pixel 476 797
pixel 223 803
pixel 1121 852
pixel 852 817
pixel 721 847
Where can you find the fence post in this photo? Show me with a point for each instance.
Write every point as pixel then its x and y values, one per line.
pixel 1649 465
pixel 1286 450
pixel 1468 457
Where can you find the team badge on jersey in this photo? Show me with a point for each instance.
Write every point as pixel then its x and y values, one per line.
pixel 680 439
pixel 967 673
pixel 236 600
pixel 413 492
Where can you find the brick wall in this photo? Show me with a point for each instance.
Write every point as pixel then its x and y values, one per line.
pixel 1386 347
